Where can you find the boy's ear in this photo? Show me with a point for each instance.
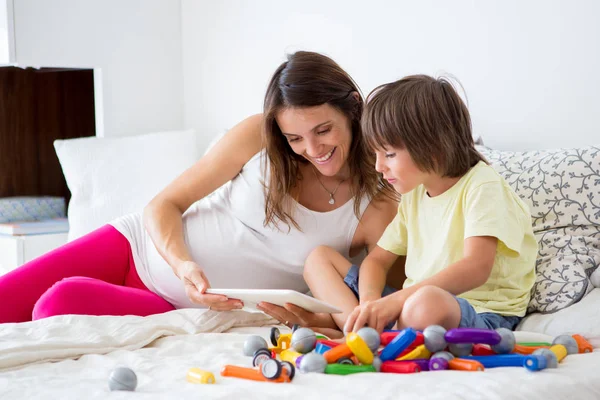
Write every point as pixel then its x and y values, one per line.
pixel 356 95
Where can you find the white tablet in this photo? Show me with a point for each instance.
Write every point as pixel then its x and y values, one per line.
pixel 251 297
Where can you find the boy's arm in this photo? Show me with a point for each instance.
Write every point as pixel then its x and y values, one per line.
pixel 373 273
pixel 472 271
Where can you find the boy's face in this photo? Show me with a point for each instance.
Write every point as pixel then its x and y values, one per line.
pixel 399 169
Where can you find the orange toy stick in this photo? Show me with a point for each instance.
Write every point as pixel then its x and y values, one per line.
pixel 583 345
pixel 465 365
pixel 332 355
pixel 253 374
pixel 525 350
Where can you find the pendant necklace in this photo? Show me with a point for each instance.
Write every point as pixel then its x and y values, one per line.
pixel 331 199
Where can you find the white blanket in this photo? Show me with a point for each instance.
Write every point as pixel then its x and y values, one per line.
pixel 161 348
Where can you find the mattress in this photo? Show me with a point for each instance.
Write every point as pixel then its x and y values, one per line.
pixel 72 356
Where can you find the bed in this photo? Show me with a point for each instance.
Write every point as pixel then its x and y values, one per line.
pixel 72 356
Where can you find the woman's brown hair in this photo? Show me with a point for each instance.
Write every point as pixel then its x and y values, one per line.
pixel 427 117
pixel 310 79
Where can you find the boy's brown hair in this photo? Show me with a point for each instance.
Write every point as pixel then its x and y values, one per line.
pixel 425 116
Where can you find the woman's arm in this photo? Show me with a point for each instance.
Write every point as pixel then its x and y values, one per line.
pixel 163 215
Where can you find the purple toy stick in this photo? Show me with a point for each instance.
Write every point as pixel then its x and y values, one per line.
pixel 472 335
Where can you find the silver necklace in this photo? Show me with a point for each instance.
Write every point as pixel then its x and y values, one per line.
pixel 331 199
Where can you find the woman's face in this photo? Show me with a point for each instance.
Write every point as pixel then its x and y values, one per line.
pixel 321 134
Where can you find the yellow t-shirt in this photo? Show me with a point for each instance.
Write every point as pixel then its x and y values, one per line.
pixel 431 231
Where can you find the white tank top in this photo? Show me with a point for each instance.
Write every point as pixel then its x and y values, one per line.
pixel 226 236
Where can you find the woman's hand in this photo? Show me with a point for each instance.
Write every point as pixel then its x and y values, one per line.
pixel 196 283
pixel 375 314
pixel 292 314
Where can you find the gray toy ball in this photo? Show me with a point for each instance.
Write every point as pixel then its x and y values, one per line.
pixel 370 337
pixel 254 343
pixel 460 349
pixel 377 363
pixel 568 342
pixel 551 360
pixel 313 362
pixel 507 341
pixel 304 340
pixel 122 378
pixel 443 354
pixel 434 336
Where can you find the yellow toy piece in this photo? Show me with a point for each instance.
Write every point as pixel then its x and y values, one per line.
pixel 560 351
pixel 283 343
pixel 289 355
pixel 359 348
pixel 419 352
pixel 197 375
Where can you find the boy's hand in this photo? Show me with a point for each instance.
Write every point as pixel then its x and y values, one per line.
pixel 375 314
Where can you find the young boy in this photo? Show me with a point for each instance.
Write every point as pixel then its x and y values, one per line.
pixel 467 237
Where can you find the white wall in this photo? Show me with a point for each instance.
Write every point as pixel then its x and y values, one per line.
pixel 4 46
pixel 530 68
pixel 135 43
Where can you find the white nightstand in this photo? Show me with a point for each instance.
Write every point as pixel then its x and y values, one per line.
pixel 17 250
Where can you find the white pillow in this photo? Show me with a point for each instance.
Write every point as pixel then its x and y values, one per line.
pixel 581 318
pixel 111 177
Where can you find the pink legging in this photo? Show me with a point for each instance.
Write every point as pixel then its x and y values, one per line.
pixel 93 275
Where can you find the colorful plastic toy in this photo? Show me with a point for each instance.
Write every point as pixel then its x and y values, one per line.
pixel 313 362
pixel 260 356
pixel 438 364
pixel 399 367
pixel 303 340
pixel 290 368
pixel 371 338
pixel 453 363
pixel 253 343
pixel 507 341
pixel 235 371
pixel 583 345
pixel 405 351
pixel 386 338
pixel 322 348
pixel 280 341
pixel 271 369
pixel 482 350
pixel 197 375
pixel 460 349
pixel 569 342
pixel 418 353
pixel 122 378
pixel 359 348
pixel 551 360
pixel 377 363
pixel 560 351
pixel 289 356
pixel 338 352
pixel 399 344
pixel 434 338
pixel 472 335
pixel 347 369
pixel 531 362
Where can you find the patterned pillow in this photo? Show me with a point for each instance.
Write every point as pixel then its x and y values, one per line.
pixel 562 189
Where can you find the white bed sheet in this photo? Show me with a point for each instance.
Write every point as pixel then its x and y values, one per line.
pixel 161 348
